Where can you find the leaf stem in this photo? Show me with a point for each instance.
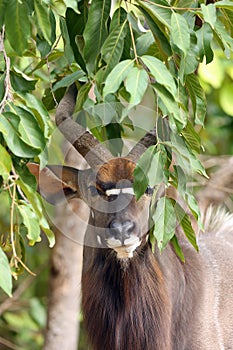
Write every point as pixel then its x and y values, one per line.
pixel 173 7
pixel 12 223
pixel 12 193
pixel 48 67
pixel 25 266
pixel 132 36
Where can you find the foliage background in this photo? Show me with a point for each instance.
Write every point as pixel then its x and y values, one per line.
pixel 51 44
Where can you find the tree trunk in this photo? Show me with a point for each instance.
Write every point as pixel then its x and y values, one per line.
pixel 65 276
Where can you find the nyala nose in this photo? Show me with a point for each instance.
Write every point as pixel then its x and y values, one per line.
pixel 121 229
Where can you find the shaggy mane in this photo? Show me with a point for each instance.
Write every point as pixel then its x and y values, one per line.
pixel 218 221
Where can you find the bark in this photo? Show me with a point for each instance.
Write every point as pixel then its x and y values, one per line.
pixel 65 276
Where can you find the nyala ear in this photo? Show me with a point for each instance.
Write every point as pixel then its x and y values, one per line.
pixel 56 182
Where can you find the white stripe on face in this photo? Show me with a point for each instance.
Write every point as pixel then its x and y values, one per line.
pixel 117 191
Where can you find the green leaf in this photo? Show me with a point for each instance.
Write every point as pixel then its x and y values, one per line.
pixel 160 73
pixel 18 28
pixel 188 65
pixel 177 248
pixel 68 51
pixel 159 35
pixel 52 57
pixel 82 96
pixel 119 17
pixel 164 222
pixel 37 309
pixel 113 47
pixel 141 170
pixel 2 85
pixel 197 97
pixel 69 80
pixel 40 112
pixel 189 62
pixel 75 26
pixel 3 128
pixel 191 137
pixel 226 4
pixel 5 275
pixel 31 222
pixel 26 176
pixel 224 36
pixel 180 33
pixel 21 82
pixel 193 206
pixel 2 11
pixel 48 232
pixel 136 84
pixel 5 163
pixel 209 13
pixel 43 19
pixel 29 130
pixel 117 76
pixel 33 197
pixel 21 321
pixel 185 156
pixel 204 39
pixel 184 3
pixel 160 14
pixel 228 19
pixel 10 123
pixel 157 172
pixel 72 4
pixel 36 203
pixel 105 112
pixel 169 102
pixel 185 222
pixel 144 42
pixel 96 31
pixel 149 171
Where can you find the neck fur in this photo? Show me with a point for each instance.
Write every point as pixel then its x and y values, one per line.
pixel 125 304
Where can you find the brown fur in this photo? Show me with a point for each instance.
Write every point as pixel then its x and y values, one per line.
pixel 126 307
pixel 116 169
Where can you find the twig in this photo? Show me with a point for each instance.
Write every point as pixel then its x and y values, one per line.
pixel 22 194
pixel 9 344
pixel 48 67
pixel 7 83
pixel 12 224
pixel 25 266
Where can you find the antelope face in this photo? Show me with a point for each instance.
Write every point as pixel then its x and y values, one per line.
pixel 121 222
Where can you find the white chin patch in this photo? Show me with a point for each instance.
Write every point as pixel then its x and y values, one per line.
pixel 126 250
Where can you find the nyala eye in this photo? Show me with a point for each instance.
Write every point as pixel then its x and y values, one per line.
pixel 149 191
